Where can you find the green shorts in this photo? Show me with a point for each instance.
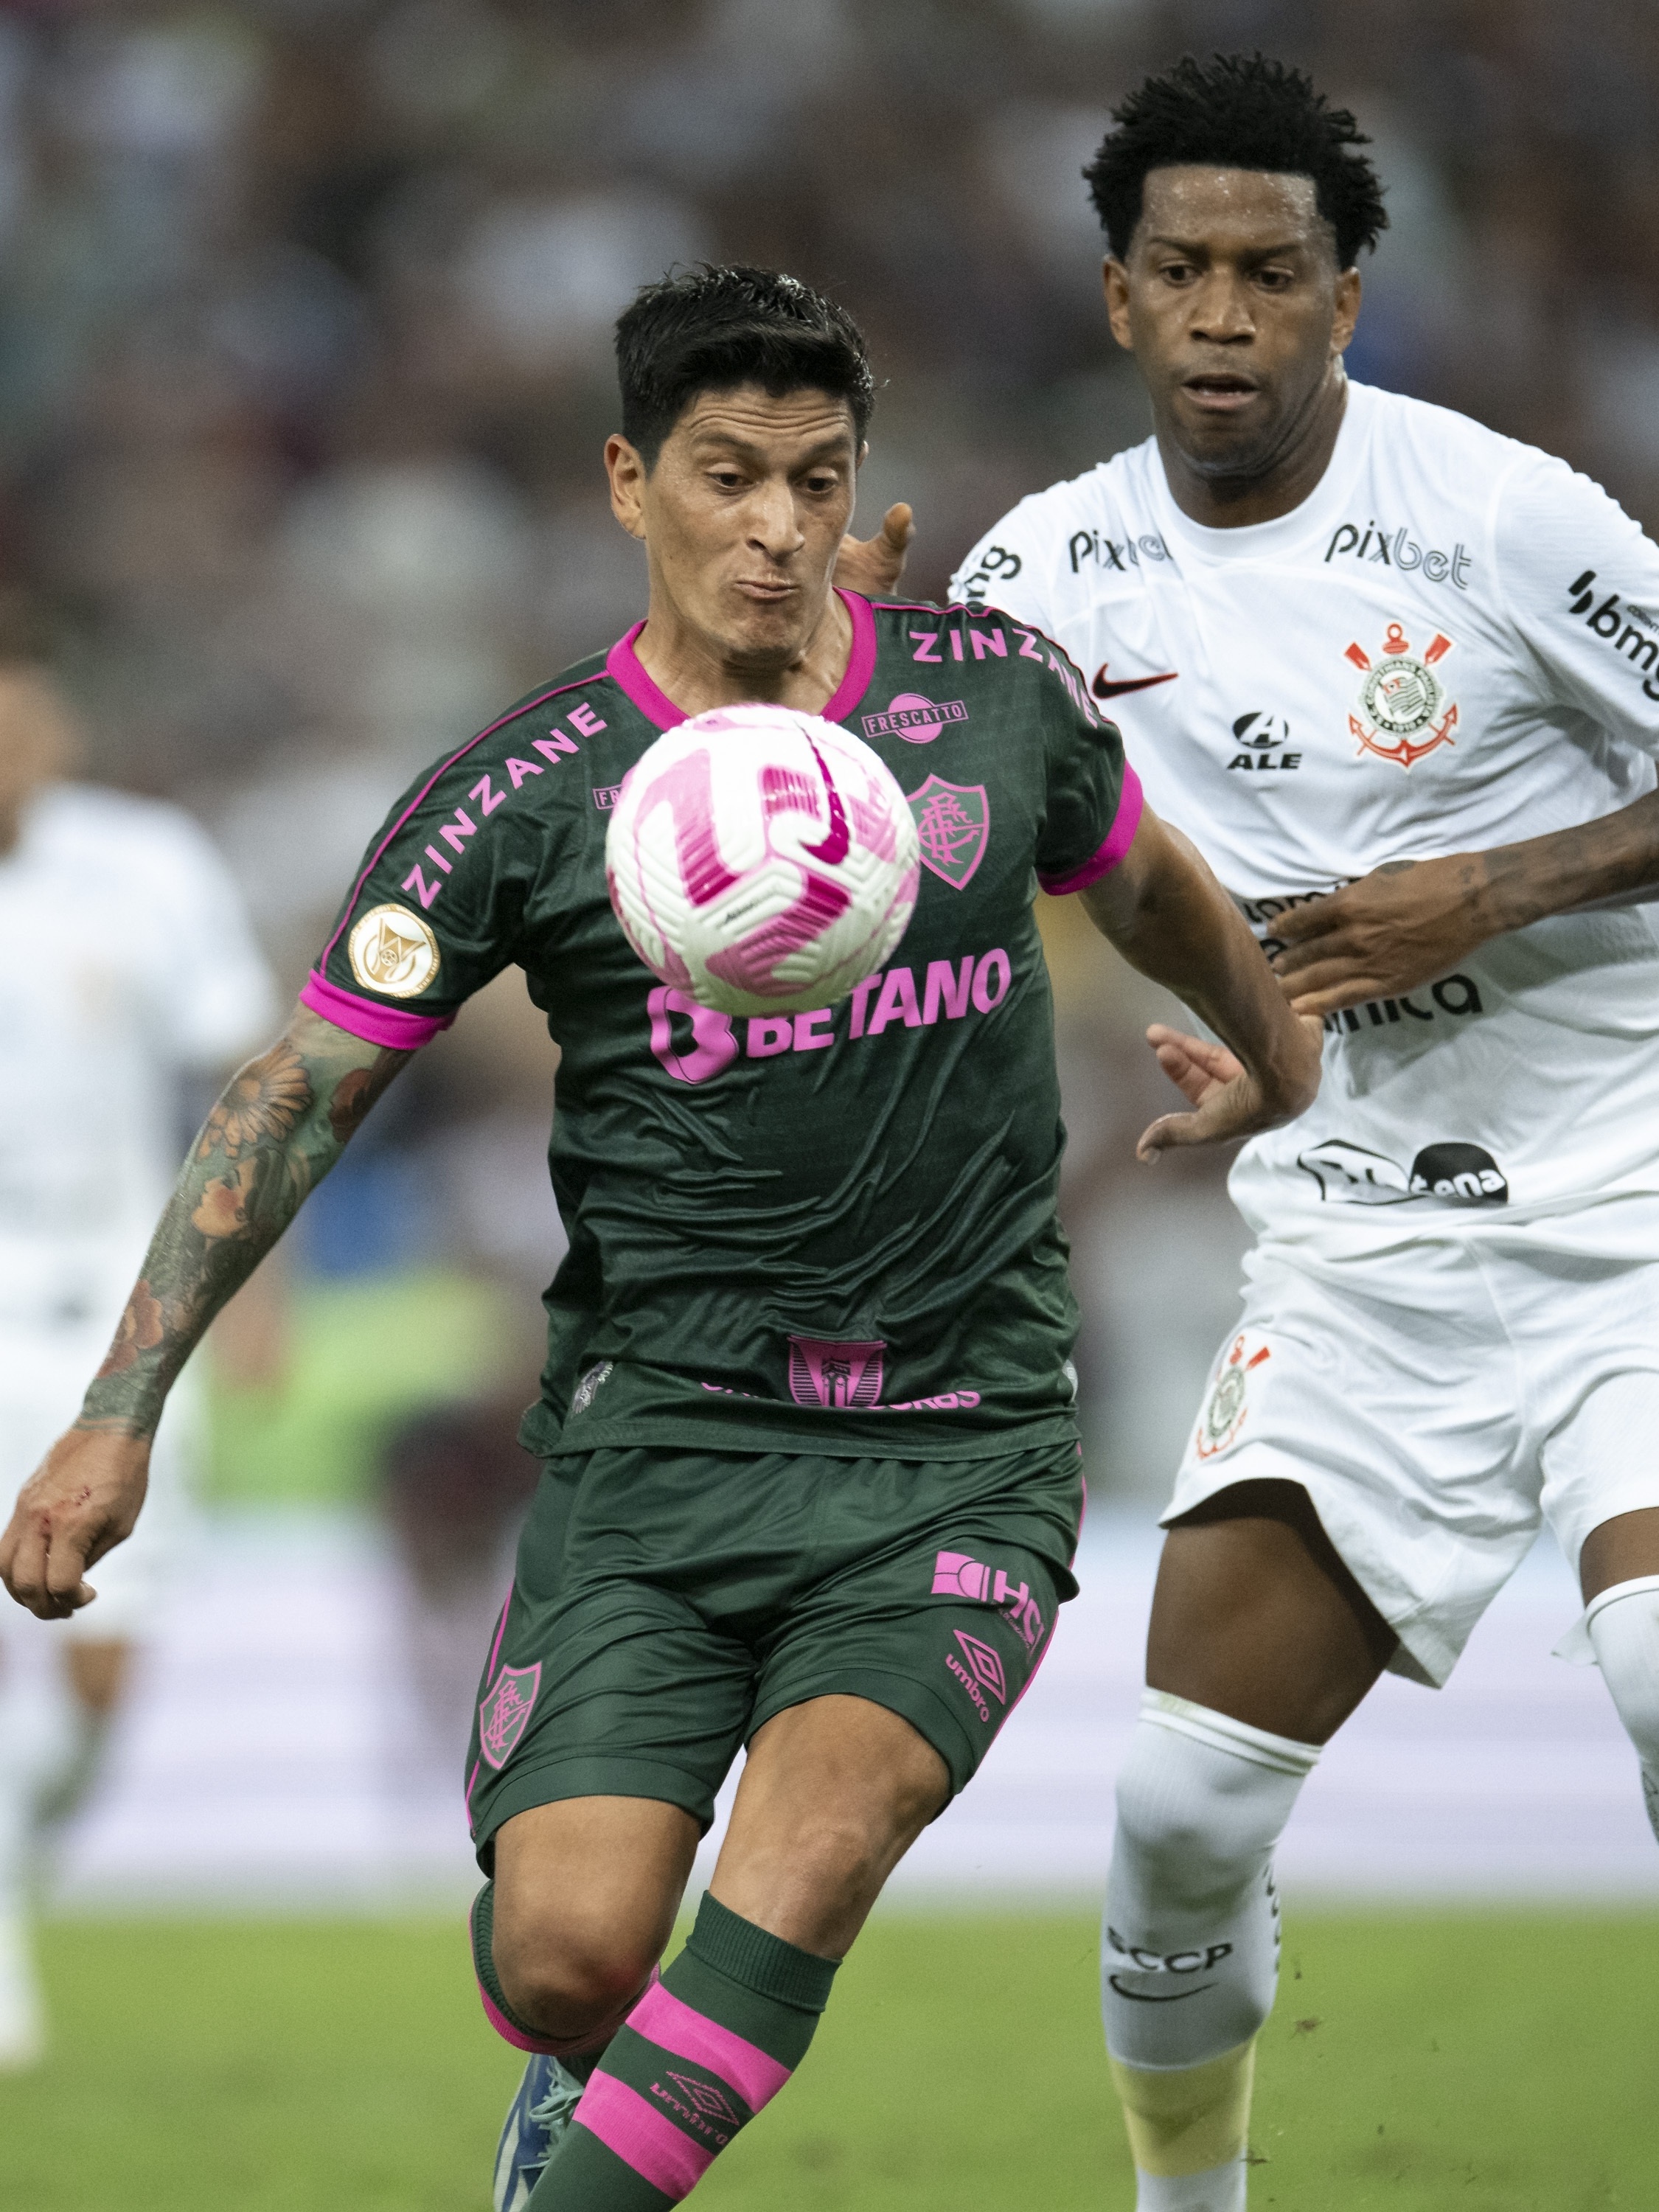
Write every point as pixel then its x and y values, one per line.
pixel 668 1603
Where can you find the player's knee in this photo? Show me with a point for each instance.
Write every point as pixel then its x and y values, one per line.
pixel 1176 1846
pixel 1201 1808
pixel 1624 1630
pixel 562 1976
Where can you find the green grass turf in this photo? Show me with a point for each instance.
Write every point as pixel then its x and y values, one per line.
pixel 1491 2063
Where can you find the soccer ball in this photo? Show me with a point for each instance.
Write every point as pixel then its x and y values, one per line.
pixel 761 860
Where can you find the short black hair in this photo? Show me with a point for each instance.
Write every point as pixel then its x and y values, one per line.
pixel 712 329
pixel 1237 112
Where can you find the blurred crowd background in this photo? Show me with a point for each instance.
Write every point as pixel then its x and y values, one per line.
pixel 305 316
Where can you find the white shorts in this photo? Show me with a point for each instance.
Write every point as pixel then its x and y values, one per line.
pixel 1436 1399
pixel 44 1374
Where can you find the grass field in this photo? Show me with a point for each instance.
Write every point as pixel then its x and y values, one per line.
pixel 1493 2063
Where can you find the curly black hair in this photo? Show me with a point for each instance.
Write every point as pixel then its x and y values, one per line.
pixel 1237 112
pixel 709 329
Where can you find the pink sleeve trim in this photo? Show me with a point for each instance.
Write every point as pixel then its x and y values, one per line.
pixel 624 667
pixel 368 1019
pixel 1118 840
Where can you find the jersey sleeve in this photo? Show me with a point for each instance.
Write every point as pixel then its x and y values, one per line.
pixel 215 999
pixel 1580 582
pixel 1010 565
pixel 1094 799
pixel 435 912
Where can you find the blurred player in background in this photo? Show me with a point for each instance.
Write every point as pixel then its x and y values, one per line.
pixel 1398 678
pixel 855 1577
pixel 129 972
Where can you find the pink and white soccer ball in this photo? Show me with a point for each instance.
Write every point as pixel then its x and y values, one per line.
pixel 761 860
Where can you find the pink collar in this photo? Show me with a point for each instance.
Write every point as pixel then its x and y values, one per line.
pixel 623 662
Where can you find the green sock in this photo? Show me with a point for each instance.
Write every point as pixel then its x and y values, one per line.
pixel 700 2054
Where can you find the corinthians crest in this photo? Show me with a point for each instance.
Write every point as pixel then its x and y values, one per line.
pixel 1402 695
pixel 1227 1404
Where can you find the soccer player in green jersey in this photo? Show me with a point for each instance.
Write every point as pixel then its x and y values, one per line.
pixel 812 1477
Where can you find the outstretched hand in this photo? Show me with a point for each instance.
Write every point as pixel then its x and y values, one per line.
pixel 81 1502
pixel 873 566
pixel 1228 1100
pixel 1406 924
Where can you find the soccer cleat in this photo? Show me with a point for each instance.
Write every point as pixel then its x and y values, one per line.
pixel 536 2121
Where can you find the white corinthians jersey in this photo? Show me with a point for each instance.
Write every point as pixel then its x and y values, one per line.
pixel 1452 644
pixel 128 966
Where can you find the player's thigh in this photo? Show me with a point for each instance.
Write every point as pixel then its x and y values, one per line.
pixel 587 1889
pixel 834 1793
pixel 933 1592
pixel 1360 1472
pixel 1254 1614
pixel 607 1677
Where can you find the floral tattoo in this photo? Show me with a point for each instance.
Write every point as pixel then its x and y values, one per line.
pixel 278 1127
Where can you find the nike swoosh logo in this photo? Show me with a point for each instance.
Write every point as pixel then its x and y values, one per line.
pixel 1102 689
pixel 1141 1999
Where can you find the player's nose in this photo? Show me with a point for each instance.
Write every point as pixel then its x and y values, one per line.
pixel 1222 311
pixel 773 525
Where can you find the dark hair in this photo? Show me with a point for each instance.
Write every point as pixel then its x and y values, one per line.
pixel 712 329
pixel 1237 112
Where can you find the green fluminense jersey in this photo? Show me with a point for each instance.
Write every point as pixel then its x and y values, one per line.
pixel 832 1231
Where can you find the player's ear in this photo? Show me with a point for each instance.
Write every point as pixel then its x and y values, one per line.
pixel 863 453
pixel 626 469
pixel 1115 282
pixel 1348 290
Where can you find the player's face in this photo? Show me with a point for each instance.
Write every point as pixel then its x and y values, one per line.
pixel 742 517
pixel 1233 306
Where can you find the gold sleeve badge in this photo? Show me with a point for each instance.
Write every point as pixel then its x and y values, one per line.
pixel 393 951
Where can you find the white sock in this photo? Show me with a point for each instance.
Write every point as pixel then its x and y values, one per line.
pixel 1623 1626
pixel 1189 1956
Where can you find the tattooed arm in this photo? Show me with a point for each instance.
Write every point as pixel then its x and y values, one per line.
pixel 279 1126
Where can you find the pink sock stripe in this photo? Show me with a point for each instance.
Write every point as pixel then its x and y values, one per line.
pixel 668 2020
pixel 1118 840
pixel 368 1018
pixel 641 2136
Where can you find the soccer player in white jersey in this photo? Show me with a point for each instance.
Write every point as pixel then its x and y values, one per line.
pixel 128 969
pixel 1398 678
